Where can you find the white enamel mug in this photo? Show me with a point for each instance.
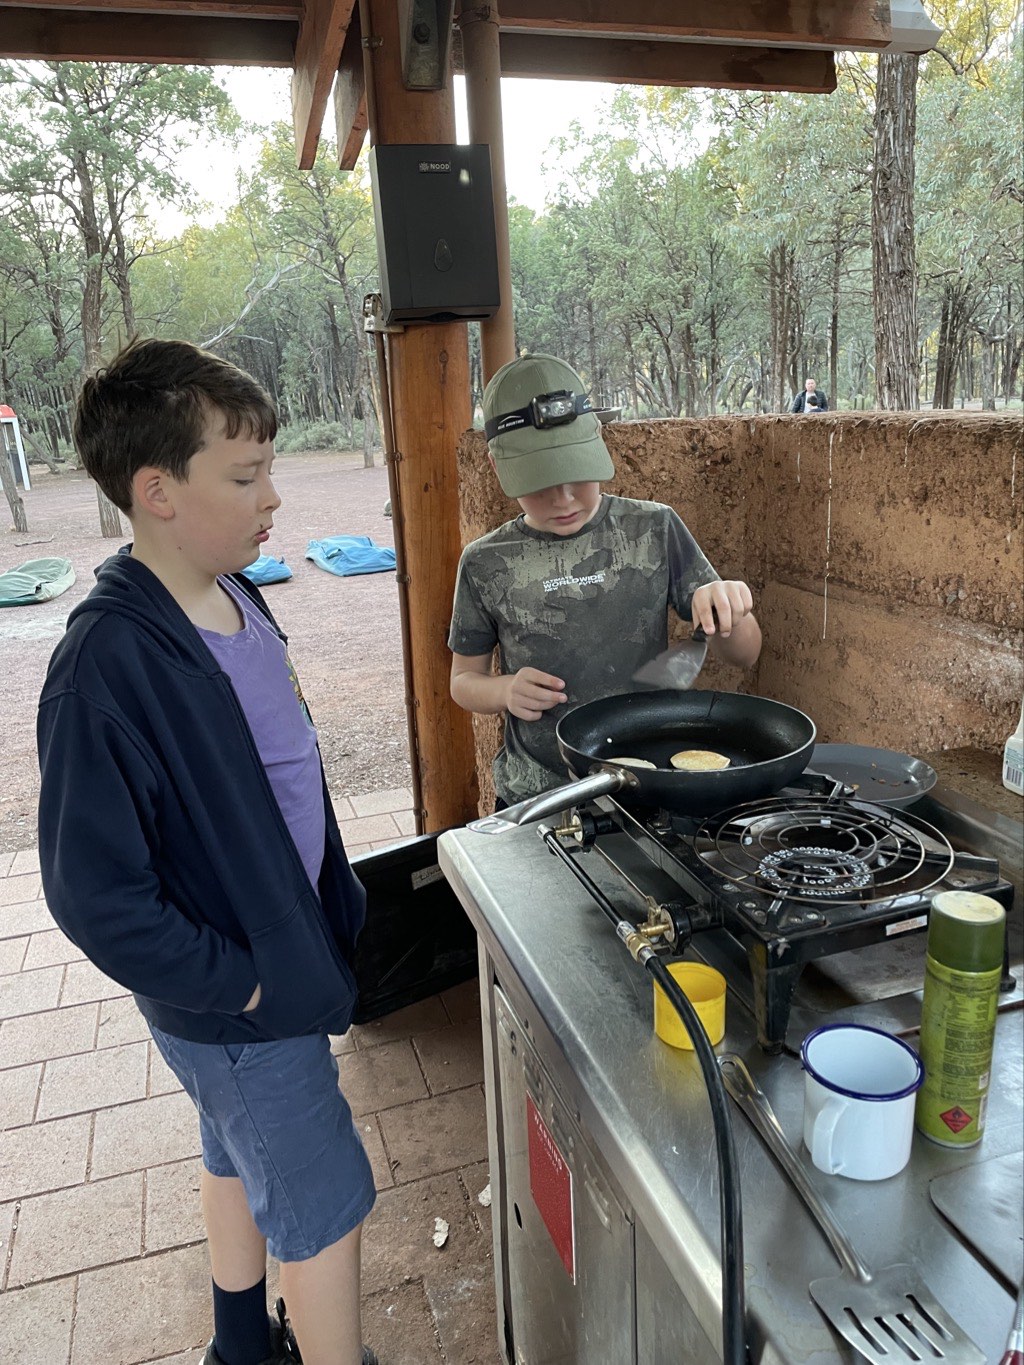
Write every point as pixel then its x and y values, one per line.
pixel 860 1087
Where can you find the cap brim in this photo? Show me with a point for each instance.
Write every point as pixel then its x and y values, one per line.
pixel 529 460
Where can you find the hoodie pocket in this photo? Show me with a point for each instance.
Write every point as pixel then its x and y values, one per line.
pixel 304 983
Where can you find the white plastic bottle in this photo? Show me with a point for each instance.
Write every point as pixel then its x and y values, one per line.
pixel 1013 758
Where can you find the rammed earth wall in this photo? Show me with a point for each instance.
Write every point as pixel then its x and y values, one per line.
pixel 884 552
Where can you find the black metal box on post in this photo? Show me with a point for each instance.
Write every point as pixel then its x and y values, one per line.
pixel 434 216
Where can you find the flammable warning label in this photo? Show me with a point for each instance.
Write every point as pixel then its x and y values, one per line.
pixel 956 1119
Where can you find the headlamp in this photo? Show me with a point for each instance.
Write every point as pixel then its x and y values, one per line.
pixel 546 410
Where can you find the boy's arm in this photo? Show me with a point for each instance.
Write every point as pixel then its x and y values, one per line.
pixel 97 835
pixel 724 610
pixel 474 686
pixel 527 694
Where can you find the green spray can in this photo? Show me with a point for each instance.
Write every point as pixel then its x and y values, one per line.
pixel 963 967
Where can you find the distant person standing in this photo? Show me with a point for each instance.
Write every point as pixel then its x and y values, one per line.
pixel 810 400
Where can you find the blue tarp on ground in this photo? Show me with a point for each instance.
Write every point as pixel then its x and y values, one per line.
pixel 345 555
pixel 37 580
pixel 267 569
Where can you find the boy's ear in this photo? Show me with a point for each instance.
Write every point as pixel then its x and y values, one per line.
pixel 150 493
pixel 493 465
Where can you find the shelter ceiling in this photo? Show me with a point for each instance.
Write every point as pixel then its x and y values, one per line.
pixel 737 44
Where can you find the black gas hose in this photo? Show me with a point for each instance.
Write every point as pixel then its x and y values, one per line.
pixel 730 1203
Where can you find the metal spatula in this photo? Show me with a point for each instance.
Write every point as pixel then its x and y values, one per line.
pixel 677 666
pixel 888 1316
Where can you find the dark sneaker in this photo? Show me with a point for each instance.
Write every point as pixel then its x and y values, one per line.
pixel 283 1338
pixel 276 1356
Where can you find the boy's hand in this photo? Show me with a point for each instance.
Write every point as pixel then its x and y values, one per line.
pixel 730 602
pixel 254 999
pixel 530 693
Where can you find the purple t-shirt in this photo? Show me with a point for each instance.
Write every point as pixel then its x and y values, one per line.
pixel 268 691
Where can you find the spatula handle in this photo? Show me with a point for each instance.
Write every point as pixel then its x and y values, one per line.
pixel 756 1106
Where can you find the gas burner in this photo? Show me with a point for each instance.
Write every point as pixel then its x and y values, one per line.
pixel 823 871
pixel 806 849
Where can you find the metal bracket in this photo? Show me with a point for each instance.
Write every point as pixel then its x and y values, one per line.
pixel 426 29
pixel 373 316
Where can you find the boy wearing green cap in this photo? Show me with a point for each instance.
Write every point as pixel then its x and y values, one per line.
pixel 574 592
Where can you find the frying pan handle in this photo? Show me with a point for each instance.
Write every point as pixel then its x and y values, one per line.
pixel 550 803
pixel 756 1106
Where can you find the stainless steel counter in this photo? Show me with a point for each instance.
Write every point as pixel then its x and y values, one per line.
pixel 586 1009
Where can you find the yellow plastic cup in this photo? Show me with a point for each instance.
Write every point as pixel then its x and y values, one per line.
pixel 705 989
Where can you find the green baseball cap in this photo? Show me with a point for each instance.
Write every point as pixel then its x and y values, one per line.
pixel 534 440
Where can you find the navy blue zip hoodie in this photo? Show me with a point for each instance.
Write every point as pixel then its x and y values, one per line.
pixel 165 856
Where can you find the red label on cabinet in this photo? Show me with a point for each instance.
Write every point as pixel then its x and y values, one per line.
pixel 551 1187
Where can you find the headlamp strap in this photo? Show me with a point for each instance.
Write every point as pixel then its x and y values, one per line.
pixel 546 410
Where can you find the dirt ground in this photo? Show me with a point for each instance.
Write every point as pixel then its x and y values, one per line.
pixel 343 633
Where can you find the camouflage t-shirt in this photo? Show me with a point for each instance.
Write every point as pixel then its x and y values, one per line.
pixel 589 608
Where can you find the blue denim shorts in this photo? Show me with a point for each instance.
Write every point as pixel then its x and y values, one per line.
pixel 272 1115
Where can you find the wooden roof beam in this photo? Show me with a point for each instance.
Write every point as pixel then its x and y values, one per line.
pixel 626 62
pixel 322 35
pixel 820 23
pixel 621 62
pixel 52 35
pixel 351 117
pixel 225 9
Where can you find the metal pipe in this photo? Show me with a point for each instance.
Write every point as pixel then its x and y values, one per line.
pixel 391 457
pixel 482 63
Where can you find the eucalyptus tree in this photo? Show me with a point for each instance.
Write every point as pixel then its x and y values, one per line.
pixel 92 144
pixel 647 256
pixel 893 253
pixel 797 170
pixel 323 220
pixel 971 186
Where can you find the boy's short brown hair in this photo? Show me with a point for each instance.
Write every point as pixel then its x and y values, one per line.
pixel 154 405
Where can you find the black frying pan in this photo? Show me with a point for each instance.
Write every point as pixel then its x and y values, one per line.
pixel 767 744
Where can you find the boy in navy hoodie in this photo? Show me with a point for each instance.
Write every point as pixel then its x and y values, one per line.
pixel 190 850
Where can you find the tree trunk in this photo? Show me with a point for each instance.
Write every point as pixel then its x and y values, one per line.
pixel 119 264
pixel 10 488
pixel 893 256
pixel 337 359
pixel 1013 368
pixel 940 394
pixel 591 344
pixel 988 375
pixel 833 334
pixel 92 313
pixel 33 448
pixel 781 298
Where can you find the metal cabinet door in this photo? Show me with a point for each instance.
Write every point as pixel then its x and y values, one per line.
pixel 558 1319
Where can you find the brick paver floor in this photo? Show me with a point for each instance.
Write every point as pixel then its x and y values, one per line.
pixel 102 1256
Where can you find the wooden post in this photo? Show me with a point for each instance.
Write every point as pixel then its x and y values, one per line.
pixel 429 370
pixel 481 57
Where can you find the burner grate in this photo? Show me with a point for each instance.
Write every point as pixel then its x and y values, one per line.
pixel 806 849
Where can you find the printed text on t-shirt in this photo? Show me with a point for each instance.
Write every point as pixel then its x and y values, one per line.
pixel 553 584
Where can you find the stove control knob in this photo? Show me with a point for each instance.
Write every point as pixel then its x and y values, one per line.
pixel 586 826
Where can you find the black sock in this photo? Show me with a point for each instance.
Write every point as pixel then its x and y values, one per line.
pixel 241 1328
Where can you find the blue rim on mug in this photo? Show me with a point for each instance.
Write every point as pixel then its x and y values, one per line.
pixel 857 1094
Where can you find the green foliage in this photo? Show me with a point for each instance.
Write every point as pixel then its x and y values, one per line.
pixel 699 253
pixel 302 436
